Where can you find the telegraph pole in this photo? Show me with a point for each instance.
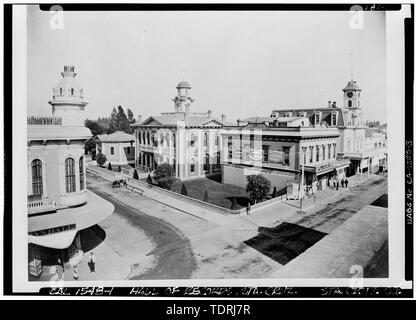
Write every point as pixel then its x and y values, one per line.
pixel 301 191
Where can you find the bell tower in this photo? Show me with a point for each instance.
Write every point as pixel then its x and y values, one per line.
pixel 352 95
pixel 182 100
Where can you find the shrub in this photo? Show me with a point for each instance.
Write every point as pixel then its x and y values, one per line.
pixel 135 175
pixel 184 192
pixel 164 176
pixel 101 159
pixel 258 187
pixel 234 204
pixel 110 167
pixel 274 195
pixel 149 179
pixel 206 196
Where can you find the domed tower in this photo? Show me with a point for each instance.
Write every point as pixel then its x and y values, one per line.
pixel 68 99
pixel 182 100
pixel 352 95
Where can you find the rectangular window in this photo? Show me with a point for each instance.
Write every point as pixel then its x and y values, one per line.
pixel 310 154
pixel 317 117
pixel 317 154
pixel 333 119
pixel 112 150
pixel 230 150
pixel 286 151
pixel 266 153
pixel 128 150
pixel 217 140
pixel 205 139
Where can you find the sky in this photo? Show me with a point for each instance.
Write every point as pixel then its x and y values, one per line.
pixel 241 64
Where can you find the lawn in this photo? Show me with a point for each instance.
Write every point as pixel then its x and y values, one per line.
pixel 219 194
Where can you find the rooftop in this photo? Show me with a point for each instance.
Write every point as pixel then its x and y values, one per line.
pixel 118 136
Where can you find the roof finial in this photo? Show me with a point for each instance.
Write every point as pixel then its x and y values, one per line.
pixel 352 67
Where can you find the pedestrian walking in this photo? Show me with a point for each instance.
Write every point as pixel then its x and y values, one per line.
pixel 342 182
pixel 346 183
pixel 337 185
pixel 75 273
pixel 248 209
pixel 91 262
pixel 314 197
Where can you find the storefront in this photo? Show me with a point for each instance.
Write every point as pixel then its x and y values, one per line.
pixel 54 249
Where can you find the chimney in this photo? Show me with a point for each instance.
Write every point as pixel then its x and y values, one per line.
pixel 223 118
pixel 329 104
pixel 209 113
pixel 139 120
pixel 238 122
pixel 334 104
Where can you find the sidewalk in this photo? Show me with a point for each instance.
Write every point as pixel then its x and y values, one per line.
pixel 352 244
pixel 274 215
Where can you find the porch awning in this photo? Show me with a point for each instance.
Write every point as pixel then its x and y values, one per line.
pixel 59 240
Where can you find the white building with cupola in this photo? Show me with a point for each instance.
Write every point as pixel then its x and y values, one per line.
pixel 59 206
pixel 189 141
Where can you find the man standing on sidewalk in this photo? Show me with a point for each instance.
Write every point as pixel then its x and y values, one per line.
pixel 91 262
pixel 346 183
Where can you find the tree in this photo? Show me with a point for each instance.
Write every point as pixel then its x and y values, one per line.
pixel 94 127
pixel 113 121
pixel 110 167
pixel 258 187
pixel 130 116
pixel 184 192
pixel 234 204
pixel 164 175
pixel 135 175
pixel 206 196
pixel 149 179
pixel 89 145
pixel 274 195
pixel 101 159
pixel 123 123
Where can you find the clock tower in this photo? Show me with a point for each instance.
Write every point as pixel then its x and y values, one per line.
pixel 352 95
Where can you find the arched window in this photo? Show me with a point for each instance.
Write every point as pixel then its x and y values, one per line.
pixel 70 175
pixel 37 183
pixel 168 140
pixel 81 174
pixel 349 103
pixel 174 140
pixel 323 152
pixel 139 135
pixel 60 91
pixel 72 92
pixel 148 138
